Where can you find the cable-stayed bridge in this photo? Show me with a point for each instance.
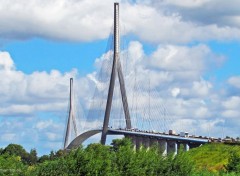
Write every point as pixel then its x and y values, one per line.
pixel 123 106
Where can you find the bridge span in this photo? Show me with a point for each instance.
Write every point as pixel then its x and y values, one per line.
pixel 168 143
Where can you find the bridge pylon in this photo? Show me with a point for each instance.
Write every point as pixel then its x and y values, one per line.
pixel 116 69
pixel 71 117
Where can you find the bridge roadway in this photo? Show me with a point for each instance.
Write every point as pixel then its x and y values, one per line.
pixel 157 135
pixel 167 143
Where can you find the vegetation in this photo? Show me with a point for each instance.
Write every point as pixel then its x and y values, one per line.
pixel 121 159
pixel 213 157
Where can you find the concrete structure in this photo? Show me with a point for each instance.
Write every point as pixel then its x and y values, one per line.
pixel 166 143
pixel 172 147
pixel 163 145
pixel 116 67
pixel 71 116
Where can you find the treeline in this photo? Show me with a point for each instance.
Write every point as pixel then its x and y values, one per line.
pixel 119 159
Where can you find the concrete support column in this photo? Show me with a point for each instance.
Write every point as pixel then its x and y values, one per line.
pixel 172 147
pixel 153 142
pixel 134 141
pixel 146 142
pixel 186 147
pixel 139 142
pixel 178 147
pixel 162 143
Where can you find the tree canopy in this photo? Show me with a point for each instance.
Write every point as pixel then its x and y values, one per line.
pixel 119 159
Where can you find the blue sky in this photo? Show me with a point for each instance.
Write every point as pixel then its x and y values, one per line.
pixel 46 55
pixel 190 54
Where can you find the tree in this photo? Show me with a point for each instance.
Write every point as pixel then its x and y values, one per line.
pixel 117 143
pixel 43 158
pixel 33 157
pixel 60 153
pixel 125 159
pixel 234 162
pixel 17 150
pixel 52 155
pixel 14 149
pixel 181 165
pixel 11 165
pixel 98 159
pixel 58 166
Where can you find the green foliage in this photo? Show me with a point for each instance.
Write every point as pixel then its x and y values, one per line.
pixel 117 143
pixel 43 158
pixel 18 150
pixel 97 160
pixel 51 168
pixel 121 159
pixel 32 157
pixel 212 157
pixel 11 165
pixel 234 162
pixel 182 164
pixel 15 149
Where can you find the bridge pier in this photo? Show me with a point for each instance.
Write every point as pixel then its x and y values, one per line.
pixel 172 147
pixel 146 142
pixel 163 146
pixel 134 141
pixel 153 142
pixel 178 147
pixel 182 146
pixel 139 142
pixel 186 147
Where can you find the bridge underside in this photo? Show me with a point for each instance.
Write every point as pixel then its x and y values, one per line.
pixel 84 136
pixel 81 138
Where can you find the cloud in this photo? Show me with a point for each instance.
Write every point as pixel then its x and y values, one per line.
pixel 26 93
pixel 6 63
pixel 155 21
pixel 176 58
pixel 170 81
pixel 186 3
pixel 8 137
pixel 209 128
pixel 204 12
pixel 44 124
pixel 175 91
pixel 68 20
pixel 27 99
pixel 231 107
pixel 234 81
pixel 199 88
pixel 158 21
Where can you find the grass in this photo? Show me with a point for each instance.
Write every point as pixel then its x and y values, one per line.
pixel 212 157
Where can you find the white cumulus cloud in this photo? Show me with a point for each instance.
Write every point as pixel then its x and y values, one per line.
pixel 155 21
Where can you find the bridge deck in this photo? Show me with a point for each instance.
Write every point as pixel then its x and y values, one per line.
pixel 81 138
pixel 156 135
